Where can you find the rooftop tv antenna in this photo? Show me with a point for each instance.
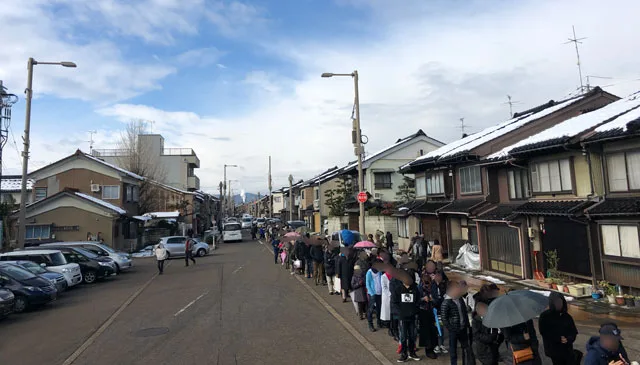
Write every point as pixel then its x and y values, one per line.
pixel 463 127
pixel 575 40
pixel 510 102
pixel 91 133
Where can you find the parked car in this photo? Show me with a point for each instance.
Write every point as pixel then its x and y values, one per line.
pixel 296 224
pixel 246 222
pixel 55 278
pixel 147 251
pixel 231 232
pixel 92 266
pixel 122 260
pixel 175 246
pixel 7 300
pixel 28 289
pixel 261 222
pixel 337 237
pixel 51 260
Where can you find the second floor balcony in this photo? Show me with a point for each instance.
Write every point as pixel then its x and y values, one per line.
pixel 193 182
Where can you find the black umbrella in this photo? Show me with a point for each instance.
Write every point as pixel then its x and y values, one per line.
pixel 515 307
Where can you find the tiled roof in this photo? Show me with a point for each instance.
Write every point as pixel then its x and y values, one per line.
pixel 431 206
pixel 500 212
pixel 102 203
pixel 461 206
pixel 407 208
pixel 553 207
pixel 616 207
pixel 13 183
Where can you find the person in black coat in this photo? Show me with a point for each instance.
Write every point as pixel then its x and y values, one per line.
pixel 330 268
pixel 558 331
pixel 345 273
pixel 486 341
pixel 299 253
pixel 308 260
pixel 318 265
pixel 456 320
pixel 389 242
pixel 521 336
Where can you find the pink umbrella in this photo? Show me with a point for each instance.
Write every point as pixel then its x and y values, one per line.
pixel 292 235
pixel 365 244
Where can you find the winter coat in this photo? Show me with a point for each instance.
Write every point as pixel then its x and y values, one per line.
pixel 307 252
pixel 406 300
pixel 298 250
pixel 514 336
pixel 597 355
pixel 486 342
pixel 345 272
pixel 451 314
pixel 358 288
pixel 437 294
pixel 161 252
pixel 389 240
pixel 436 253
pixel 385 307
pixel 552 325
pixel 317 254
pixel 330 263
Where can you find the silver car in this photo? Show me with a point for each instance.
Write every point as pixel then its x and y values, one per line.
pixel 122 260
pixel 175 246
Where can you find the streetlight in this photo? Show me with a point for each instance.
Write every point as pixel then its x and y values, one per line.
pixel 22 227
pixel 290 197
pixel 232 203
pixel 224 186
pixel 357 140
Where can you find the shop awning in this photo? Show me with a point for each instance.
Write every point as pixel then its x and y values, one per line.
pixel 553 207
pixel 498 213
pixel 461 206
pixel 610 207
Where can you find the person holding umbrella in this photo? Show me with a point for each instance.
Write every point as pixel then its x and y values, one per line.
pixel 558 332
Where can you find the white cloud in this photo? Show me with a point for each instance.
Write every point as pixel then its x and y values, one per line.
pixel 199 57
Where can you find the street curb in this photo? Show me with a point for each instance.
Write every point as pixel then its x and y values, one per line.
pixel 354 332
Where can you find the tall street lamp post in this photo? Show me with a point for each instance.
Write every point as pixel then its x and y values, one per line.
pixel 357 141
pixel 290 197
pixel 224 188
pixel 22 227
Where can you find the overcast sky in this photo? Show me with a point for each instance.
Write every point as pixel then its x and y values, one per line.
pixel 238 81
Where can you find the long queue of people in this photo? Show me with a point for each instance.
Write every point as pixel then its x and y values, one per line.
pixel 413 299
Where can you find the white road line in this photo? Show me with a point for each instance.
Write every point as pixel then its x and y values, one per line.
pixel 354 332
pixel 238 269
pixel 190 304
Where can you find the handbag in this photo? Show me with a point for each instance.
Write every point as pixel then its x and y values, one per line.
pixel 297 264
pixel 520 356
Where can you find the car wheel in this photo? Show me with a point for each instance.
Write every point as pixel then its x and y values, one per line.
pixel 117 268
pixel 201 252
pixel 168 255
pixel 89 277
pixel 20 304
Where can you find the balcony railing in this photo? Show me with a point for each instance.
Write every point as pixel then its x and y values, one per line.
pixel 110 152
pixel 193 182
pixel 178 152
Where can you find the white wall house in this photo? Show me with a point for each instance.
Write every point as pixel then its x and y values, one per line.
pixel 381 177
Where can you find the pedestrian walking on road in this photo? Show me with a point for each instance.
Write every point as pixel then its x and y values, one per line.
pixel 345 273
pixel 374 292
pixel 276 249
pixel 438 289
pixel 436 252
pixel 607 348
pixel 558 331
pixel 358 290
pixel 427 330
pixel 308 259
pixel 406 299
pixel 161 255
pixel 456 320
pixel 188 251
pixel 389 243
pixel 330 256
pixel 385 301
pixel 317 255
pixel 254 231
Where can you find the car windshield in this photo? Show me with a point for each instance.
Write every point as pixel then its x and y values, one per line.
pixel 246 219
pixel 106 248
pixel 261 220
pixel 86 253
pixel 33 267
pixel 57 259
pixel 16 272
pixel 232 227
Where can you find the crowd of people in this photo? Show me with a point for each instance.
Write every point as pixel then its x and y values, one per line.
pixel 410 295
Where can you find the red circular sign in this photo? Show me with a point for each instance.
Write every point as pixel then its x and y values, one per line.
pixel 362 197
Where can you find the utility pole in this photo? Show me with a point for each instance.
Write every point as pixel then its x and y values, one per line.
pixel 270 191
pixel 6 102
pixel 290 197
pixel 510 103
pixel 91 133
pixel 575 40
pixel 220 208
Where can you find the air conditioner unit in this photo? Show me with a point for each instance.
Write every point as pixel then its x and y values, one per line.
pixel 378 195
pixel 95 188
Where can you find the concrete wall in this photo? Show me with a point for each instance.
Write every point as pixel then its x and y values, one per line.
pixel 335 223
pixel 327 185
pixel 372 223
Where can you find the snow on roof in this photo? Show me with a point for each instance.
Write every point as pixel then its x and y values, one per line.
pixel 102 203
pixel 490 133
pixel 14 184
pixel 622 110
pixel 126 172
pixel 174 214
pixel 388 148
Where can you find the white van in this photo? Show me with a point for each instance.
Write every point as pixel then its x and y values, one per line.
pixel 231 232
pixel 52 260
pixel 122 260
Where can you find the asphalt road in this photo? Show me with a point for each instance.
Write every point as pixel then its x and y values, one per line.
pixel 233 307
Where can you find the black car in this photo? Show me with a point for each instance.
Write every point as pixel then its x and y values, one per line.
pixel 29 289
pixel 7 300
pixel 92 266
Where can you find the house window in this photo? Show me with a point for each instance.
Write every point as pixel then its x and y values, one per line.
pixel 129 193
pixel 518 184
pixel 317 193
pixel 36 232
pixel 111 192
pixel 136 194
pixel 421 186
pixel 623 170
pixel 403 227
pixel 302 194
pixel 470 180
pixel 382 180
pixel 41 193
pixel 277 199
pixel 435 183
pixel 551 176
pixel 620 240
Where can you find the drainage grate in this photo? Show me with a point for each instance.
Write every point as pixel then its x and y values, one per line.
pixel 151 332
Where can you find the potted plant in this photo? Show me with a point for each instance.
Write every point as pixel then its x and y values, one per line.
pixel 628 300
pixel 595 294
pixel 548 283
pixel 619 300
pixel 608 291
pixel 636 301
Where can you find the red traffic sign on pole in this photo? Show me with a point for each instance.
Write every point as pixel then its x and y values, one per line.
pixel 362 197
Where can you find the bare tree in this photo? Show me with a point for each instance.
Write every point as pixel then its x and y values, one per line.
pixel 136 155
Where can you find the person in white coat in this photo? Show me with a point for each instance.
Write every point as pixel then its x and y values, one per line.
pixel 385 307
pixel 161 255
